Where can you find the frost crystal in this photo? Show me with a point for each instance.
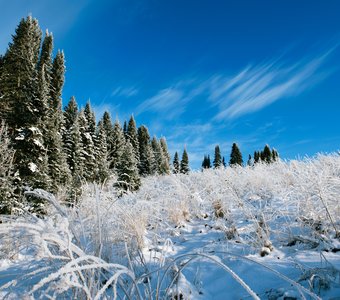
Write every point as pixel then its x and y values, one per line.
pixel 33 167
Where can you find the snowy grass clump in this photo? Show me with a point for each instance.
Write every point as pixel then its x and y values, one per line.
pixel 165 240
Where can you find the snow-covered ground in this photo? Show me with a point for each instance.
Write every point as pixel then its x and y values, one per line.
pixel 266 232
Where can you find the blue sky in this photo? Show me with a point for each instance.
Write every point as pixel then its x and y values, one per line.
pixel 203 72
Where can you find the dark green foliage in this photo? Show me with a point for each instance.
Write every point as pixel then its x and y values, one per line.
pixel 235 156
pixel 125 130
pixel 161 156
pixel 132 137
pixel 217 157
pixel 128 177
pixel 250 161
pixel 31 158
pixel 57 164
pixel 108 127
pixel 19 103
pixel 88 151
pixel 146 163
pixel 206 164
pixel 6 170
pixel 57 81
pixel 90 119
pixel 45 59
pixel 101 155
pixel 175 163
pixel 184 166
pixel 223 162
pixel 116 147
pixel 70 113
pixel 266 154
pixel 165 167
pixel 275 155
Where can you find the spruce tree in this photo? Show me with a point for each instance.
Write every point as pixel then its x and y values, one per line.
pixel 90 119
pixel 158 155
pixel 70 113
pixel 146 163
pixel 117 147
pixel 57 161
pixel 75 159
pixel 235 156
pixel 108 127
pixel 250 161
pixel 132 137
pixel 6 172
pixel 206 164
pixel 217 158
pixel 88 148
pixel 125 130
pixel 223 162
pixel 23 107
pixel 19 101
pixel 184 166
pixel 128 177
pixel 101 154
pixel 45 58
pixel 176 163
pixel 275 155
pixel 266 154
pixel 166 157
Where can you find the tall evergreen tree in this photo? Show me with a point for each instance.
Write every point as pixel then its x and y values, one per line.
pixel 117 147
pixel 57 161
pixel 132 137
pixel 184 166
pixel 22 106
pixel 266 154
pixel 101 154
pixel 125 130
pixel 206 164
pixel 217 158
pixel 70 113
pixel 224 164
pixel 235 156
pixel 45 58
pixel 19 103
pixel 90 118
pixel 166 157
pixel 88 148
pixel 108 127
pixel 275 155
pixel 250 161
pixel 128 177
pixel 158 155
pixel 146 164
pixel 256 157
pixel 6 172
pixel 176 163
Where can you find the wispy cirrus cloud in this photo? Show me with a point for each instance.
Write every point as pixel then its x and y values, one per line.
pixel 171 101
pixel 228 97
pixel 125 92
pixel 258 86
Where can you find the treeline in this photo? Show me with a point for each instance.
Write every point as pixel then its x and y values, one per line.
pixel 55 148
pixel 267 155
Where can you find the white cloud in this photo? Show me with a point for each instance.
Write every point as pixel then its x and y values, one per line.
pixel 259 86
pixel 126 92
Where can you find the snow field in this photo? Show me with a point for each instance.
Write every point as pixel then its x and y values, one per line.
pixel 262 232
